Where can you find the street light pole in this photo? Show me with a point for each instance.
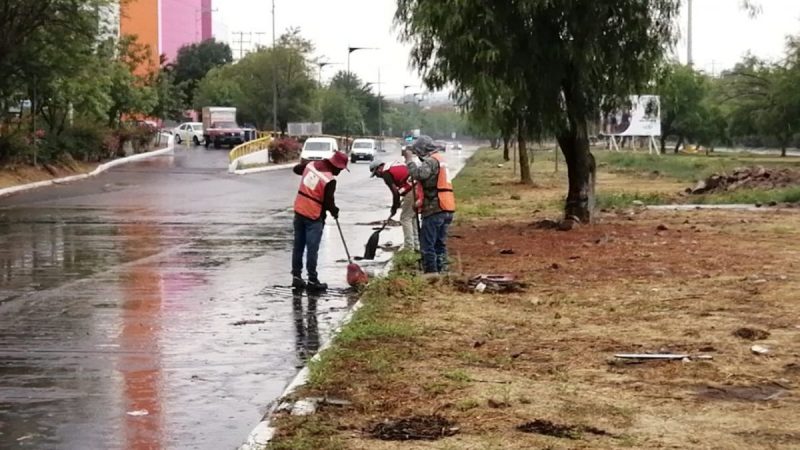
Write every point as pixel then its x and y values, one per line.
pixel 689 56
pixel 274 76
pixel 350 51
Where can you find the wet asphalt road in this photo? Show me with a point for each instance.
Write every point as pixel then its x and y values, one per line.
pixel 139 309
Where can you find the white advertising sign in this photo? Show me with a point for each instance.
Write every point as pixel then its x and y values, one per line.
pixel 641 118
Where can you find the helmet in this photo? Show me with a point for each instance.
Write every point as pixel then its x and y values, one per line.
pixel 373 167
pixel 424 145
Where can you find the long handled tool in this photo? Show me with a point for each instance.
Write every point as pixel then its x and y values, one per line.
pixel 355 274
pixel 372 244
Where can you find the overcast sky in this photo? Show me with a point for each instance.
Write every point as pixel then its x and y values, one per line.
pixel 723 32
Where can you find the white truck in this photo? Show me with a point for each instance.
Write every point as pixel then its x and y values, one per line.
pixel 220 127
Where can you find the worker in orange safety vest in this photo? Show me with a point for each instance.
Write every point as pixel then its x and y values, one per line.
pixel 315 198
pixel 438 202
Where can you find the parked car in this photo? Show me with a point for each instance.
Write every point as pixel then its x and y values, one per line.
pixel 319 148
pixel 362 150
pixel 224 133
pixel 189 132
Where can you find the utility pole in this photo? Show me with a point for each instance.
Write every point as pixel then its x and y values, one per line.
pixel 241 41
pixel 274 76
pixel 689 56
pixel 257 42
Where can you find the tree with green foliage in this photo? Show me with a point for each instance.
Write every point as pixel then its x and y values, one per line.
pixel 763 98
pixel 195 61
pixel 558 60
pixel 685 109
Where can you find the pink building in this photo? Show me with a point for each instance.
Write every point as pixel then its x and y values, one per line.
pixel 181 24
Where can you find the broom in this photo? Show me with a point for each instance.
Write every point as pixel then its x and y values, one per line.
pixel 355 274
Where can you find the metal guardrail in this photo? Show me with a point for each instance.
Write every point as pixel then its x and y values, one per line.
pixel 253 146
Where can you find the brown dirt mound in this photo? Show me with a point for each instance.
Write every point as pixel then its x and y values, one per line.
pixel 548 428
pixel 419 428
pixel 747 178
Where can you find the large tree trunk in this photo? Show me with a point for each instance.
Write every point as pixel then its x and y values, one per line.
pixel 524 165
pixel 581 172
pixel 783 151
pixel 663 144
pixel 506 138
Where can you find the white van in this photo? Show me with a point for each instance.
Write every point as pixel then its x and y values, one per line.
pixel 318 148
pixel 362 150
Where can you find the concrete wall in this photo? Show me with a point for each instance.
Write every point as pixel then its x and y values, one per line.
pixel 181 24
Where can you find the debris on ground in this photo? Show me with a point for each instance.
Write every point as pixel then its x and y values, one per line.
pixel 545 224
pixel 248 322
pixel 417 428
pixel 493 283
pixel 497 404
pixel 378 223
pixel 759 350
pixel 747 178
pixel 638 358
pixel 548 428
pixel 507 251
pixel 749 393
pixel 751 334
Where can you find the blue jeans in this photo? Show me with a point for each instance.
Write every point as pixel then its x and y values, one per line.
pixel 307 236
pixel 433 241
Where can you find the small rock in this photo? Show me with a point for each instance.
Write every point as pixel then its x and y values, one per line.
pixel 759 205
pixel 662 227
pixel 507 251
pixel 773 203
pixel 490 243
pixel 555 266
pixel 497 404
pixel 478 344
pixel 759 350
pixel 516 197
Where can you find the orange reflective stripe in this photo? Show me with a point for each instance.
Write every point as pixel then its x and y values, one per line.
pixel 447 199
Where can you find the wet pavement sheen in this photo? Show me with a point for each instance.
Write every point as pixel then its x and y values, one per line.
pixel 139 309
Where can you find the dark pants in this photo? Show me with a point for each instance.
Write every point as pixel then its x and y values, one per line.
pixel 433 241
pixel 307 236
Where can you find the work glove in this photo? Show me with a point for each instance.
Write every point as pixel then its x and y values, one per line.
pixel 335 212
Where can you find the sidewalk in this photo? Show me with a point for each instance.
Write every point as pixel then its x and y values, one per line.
pixel 435 364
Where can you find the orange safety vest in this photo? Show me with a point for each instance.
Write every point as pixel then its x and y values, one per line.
pixel 444 189
pixel 447 199
pixel 311 194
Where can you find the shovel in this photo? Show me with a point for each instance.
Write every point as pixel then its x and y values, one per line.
pixel 372 244
pixel 355 274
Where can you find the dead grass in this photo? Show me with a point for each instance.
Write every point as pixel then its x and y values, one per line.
pixel 634 282
pixel 15 176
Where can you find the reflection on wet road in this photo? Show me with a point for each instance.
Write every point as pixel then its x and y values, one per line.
pixel 138 310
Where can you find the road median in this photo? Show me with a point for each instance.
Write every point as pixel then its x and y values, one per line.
pixel 445 364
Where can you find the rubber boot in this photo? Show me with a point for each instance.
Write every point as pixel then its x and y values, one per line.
pixel 316 286
pixel 298 283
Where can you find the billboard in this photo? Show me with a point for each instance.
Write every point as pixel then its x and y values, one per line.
pixel 304 128
pixel 641 117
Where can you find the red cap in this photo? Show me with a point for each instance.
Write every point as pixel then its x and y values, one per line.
pixel 339 160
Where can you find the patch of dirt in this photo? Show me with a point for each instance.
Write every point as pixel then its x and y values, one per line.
pixel 540 426
pixel 747 178
pixel 751 334
pixel 18 175
pixel 752 393
pixel 417 428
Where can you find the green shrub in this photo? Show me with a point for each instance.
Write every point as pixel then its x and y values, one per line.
pixel 284 150
pixel 15 148
pixel 83 141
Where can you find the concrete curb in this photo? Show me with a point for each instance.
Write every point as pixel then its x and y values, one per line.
pixel 263 433
pixel 263 169
pixel 100 169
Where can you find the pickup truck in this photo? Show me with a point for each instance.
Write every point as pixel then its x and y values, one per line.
pixel 224 133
